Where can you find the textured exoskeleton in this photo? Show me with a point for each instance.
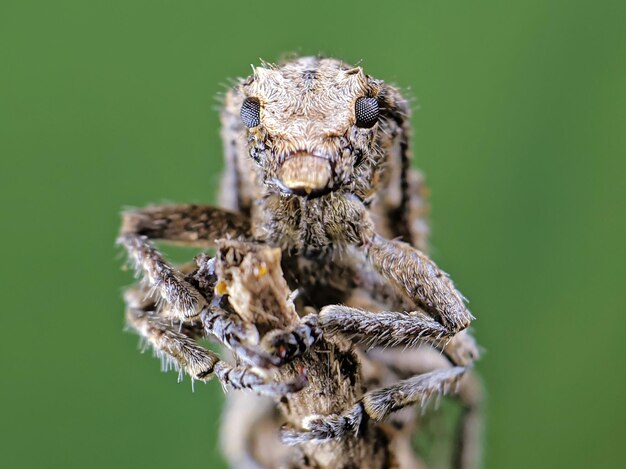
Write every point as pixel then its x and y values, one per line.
pixel 321 288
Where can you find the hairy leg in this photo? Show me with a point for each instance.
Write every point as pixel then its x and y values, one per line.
pixel 436 376
pixel 238 336
pixel 376 405
pixel 391 329
pixel 191 225
pixel 384 328
pixel 170 341
pixel 277 347
pixel 171 285
pixel 414 273
pixel 293 342
pixel 186 224
pixel 469 393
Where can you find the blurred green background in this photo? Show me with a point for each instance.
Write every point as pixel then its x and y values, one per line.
pixel 520 127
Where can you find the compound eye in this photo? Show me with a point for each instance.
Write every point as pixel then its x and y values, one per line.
pixel 366 112
pixel 251 112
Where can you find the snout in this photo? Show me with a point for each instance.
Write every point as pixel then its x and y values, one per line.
pixel 306 175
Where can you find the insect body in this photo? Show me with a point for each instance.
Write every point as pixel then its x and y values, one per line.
pixel 319 198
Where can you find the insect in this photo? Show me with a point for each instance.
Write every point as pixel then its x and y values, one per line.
pixel 320 288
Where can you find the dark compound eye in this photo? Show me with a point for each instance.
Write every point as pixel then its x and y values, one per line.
pixel 366 112
pixel 251 112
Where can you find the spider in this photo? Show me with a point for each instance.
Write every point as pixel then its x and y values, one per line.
pixel 318 199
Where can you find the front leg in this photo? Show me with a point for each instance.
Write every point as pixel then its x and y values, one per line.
pixel 425 283
pixel 184 299
pixel 238 336
pixel 411 272
pixel 440 312
pixel 189 225
pixel 185 224
pixel 277 347
pixel 380 329
pixel 391 329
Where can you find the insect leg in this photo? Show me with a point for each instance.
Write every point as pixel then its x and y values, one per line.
pixel 385 328
pixel 390 329
pixel 175 347
pixel 294 342
pixel 417 275
pixel 185 224
pixel 199 363
pixel 186 301
pixel 276 348
pixel 191 225
pixel 238 336
pixel 376 405
pixel 469 394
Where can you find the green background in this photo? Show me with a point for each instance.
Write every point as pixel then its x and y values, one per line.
pixel 520 127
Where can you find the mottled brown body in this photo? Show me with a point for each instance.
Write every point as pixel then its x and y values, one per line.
pixel 318 182
pixel 254 282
